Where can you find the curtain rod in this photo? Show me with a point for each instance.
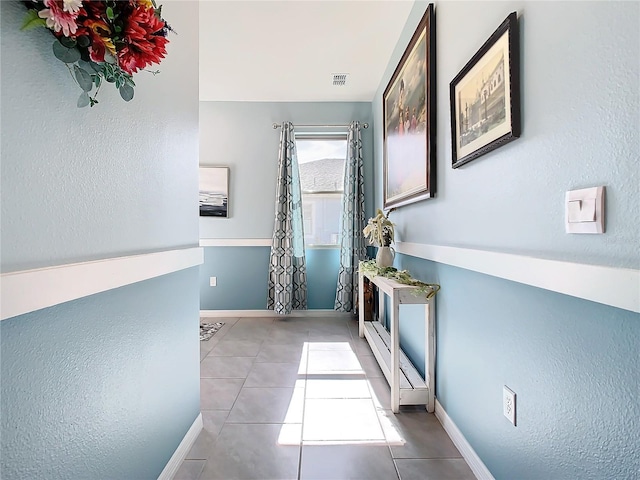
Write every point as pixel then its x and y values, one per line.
pixel 277 125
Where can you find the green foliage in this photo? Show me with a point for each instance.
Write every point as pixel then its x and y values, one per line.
pixel 88 74
pixel 83 41
pixel 401 276
pixel 83 100
pixel 83 78
pixel 66 54
pixel 68 42
pixel 126 92
pixel 32 20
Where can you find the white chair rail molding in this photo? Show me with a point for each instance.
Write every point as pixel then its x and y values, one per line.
pixel 613 286
pixel 63 283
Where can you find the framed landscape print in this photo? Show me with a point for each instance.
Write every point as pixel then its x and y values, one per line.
pixel 485 96
pixel 409 112
pixel 214 192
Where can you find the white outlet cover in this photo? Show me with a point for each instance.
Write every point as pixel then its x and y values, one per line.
pixel 509 404
pixel 213 281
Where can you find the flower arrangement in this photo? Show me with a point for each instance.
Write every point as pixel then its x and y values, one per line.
pixel 102 40
pixel 379 229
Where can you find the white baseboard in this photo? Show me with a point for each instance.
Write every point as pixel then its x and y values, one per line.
pixel 183 449
pixel 476 465
pixel 270 313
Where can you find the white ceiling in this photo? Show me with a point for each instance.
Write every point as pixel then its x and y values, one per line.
pixel 288 50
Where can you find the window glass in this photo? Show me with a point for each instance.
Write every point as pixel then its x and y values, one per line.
pixel 321 162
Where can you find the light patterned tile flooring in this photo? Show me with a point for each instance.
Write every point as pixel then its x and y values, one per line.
pixel 303 398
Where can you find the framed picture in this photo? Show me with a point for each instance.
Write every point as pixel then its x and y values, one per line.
pixel 214 192
pixel 485 96
pixel 409 112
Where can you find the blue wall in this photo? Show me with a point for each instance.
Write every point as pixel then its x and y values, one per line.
pixel 101 387
pixel 242 274
pixel 105 386
pixel 240 135
pixel 574 364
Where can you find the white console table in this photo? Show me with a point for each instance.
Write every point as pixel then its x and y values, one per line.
pixel 407 386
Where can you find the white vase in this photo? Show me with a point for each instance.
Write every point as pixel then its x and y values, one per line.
pixel 385 257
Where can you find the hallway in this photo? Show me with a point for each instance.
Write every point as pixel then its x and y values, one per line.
pixel 304 398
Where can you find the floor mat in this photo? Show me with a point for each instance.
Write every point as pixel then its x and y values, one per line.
pixel 208 330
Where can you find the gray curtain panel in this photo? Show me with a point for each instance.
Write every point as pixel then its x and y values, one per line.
pixel 352 242
pixel 287 270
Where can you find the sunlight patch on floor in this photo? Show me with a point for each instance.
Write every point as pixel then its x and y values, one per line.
pixel 333 402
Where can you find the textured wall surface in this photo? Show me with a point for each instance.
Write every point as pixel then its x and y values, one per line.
pixel 240 135
pixel 573 364
pixel 242 273
pixel 580 129
pixel 110 174
pixel 104 387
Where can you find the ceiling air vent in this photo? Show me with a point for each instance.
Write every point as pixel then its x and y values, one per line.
pixel 340 79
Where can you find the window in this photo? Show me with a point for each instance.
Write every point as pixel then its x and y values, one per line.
pixel 321 160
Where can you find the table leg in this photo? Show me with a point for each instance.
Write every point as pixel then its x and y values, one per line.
pixel 380 306
pixel 395 353
pixel 430 354
pixel 361 305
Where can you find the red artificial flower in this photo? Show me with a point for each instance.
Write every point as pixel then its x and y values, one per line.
pixel 144 42
pixel 94 9
pixel 100 35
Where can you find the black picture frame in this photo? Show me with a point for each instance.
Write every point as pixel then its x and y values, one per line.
pixel 485 96
pixel 409 120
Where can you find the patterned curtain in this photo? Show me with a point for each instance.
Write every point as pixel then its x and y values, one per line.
pixel 287 271
pixel 352 243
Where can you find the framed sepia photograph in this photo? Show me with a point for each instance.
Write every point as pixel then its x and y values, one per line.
pixel 409 112
pixel 485 96
pixel 214 192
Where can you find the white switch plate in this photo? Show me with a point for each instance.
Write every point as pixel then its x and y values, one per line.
pixel 584 210
pixel 509 404
pixel 213 281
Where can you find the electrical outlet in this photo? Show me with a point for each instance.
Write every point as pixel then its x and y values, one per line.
pixel 213 281
pixel 509 404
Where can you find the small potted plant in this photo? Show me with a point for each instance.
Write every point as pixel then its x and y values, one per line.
pixel 379 232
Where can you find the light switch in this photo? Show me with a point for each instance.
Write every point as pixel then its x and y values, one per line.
pixel 584 210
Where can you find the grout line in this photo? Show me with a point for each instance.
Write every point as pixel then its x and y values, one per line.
pixel 305 357
pixel 241 387
pixel 395 465
pixel 373 395
pixel 304 406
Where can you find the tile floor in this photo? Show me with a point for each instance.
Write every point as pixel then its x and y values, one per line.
pixel 303 398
